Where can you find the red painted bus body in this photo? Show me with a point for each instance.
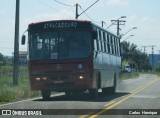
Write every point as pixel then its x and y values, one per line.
pixel 72 56
pixel 67 77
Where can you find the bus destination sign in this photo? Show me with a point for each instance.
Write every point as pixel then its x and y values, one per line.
pixel 55 25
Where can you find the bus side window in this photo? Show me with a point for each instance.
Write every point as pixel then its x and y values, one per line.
pixel 97 40
pixel 118 46
pixel 115 46
pixel 108 43
pixel 111 39
pixel 104 41
pixel 95 44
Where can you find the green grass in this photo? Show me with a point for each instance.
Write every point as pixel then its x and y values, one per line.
pixel 154 73
pixel 10 92
pixel 131 75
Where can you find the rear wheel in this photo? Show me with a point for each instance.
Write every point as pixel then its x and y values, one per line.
pixel 113 89
pixel 68 93
pixel 110 90
pixel 93 93
pixel 46 94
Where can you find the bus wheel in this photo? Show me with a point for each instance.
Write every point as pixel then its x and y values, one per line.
pixel 113 89
pixel 93 93
pixel 68 93
pixel 110 90
pixel 46 94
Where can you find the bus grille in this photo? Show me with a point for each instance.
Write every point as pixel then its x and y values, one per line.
pixel 54 77
pixel 58 77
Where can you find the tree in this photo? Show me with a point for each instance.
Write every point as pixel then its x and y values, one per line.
pixel 127 50
pixel 2 60
pixel 132 55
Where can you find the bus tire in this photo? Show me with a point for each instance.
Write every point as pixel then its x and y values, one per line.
pixel 68 93
pixel 93 93
pixel 110 90
pixel 99 81
pixel 45 94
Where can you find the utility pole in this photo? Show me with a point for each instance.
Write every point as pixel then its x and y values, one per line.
pixel 77 11
pixel 144 48
pixel 16 46
pixel 152 46
pixel 118 22
pixel 152 55
pixel 102 23
pixel 77 15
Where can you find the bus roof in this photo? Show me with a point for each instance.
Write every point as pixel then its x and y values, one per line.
pixel 49 25
pixel 74 20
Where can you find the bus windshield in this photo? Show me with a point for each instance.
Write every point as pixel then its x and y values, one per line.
pixel 59 45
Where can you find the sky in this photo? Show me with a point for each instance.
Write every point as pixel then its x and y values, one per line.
pixel 143 14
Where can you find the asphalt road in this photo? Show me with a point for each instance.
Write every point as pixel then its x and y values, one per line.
pixel 134 98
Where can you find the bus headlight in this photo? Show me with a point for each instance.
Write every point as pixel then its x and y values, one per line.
pixel 44 78
pixel 80 66
pixel 81 77
pixel 38 79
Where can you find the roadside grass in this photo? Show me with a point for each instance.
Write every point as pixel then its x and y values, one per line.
pixel 131 75
pixel 154 73
pixel 10 92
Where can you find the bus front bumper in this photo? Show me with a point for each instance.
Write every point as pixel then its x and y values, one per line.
pixel 62 85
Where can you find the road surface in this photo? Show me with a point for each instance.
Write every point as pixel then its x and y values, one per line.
pixel 134 98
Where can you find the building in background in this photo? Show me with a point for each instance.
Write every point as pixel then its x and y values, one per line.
pixel 154 59
pixel 22 58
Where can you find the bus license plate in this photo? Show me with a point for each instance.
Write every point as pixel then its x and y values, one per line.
pixel 58 82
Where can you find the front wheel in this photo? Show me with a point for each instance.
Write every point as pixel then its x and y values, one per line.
pixel 93 93
pixel 46 94
pixel 68 93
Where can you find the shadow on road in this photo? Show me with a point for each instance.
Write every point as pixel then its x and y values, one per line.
pixel 86 97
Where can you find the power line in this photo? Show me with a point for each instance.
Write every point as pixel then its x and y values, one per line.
pixel 88 8
pixel 52 7
pixel 63 4
pixel 88 16
pixel 47 5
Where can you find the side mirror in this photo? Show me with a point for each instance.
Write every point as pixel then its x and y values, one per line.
pixel 94 34
pixel 23 40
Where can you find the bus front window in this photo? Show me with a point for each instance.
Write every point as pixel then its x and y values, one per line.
pixel 59 45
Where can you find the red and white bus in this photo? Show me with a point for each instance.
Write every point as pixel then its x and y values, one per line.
pixel 72 56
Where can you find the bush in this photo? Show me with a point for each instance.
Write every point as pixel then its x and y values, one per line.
pixel 9 92
pixel 157 69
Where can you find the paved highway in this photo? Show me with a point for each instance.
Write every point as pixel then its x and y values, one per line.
pixel 132 99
